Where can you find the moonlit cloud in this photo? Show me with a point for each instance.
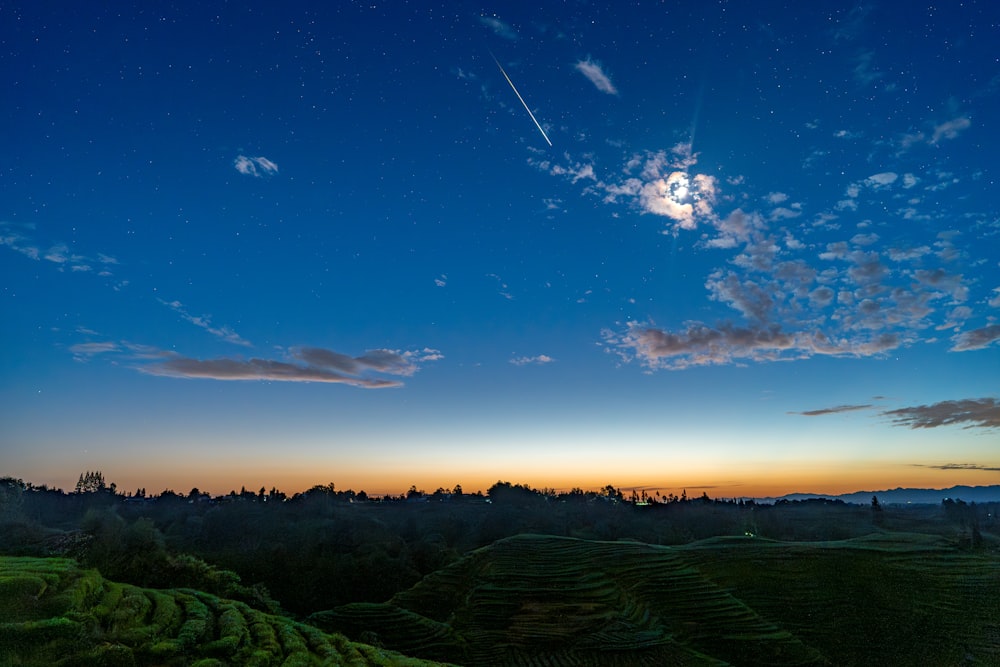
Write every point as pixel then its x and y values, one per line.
pixel 968 413
pixel 540 359
pixel 205 322
pixel 660 183
pixel 595 74
pixel 255 166
pixel 857 295
pixel 306 364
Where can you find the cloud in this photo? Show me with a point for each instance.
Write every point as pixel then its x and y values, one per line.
pixel 970 412
pixel 595 74
pixel 962 466
pixel 881 180
pixel 86 351
pixel 306 364
pixel 829 286
pixel 538 359
pixel 255 166
pixel 656 182
pixel 864 72
pixel 976 339
pixel 204 321
pixel 441 280
pixel 700 345
pixel 499 28
pixel 833 410
pixel 994 301
pixel 17 241
pixel 950 129
pixel 59 254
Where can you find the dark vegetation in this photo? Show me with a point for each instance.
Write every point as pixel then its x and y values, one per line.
pixel 469 578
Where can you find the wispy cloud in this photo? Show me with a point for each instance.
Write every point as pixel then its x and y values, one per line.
pixel 255 166
pixel 19 239
pixel 540 359
pixel 502 289
pixel 205 322
pixel 970 413
pixel 86 351
pixel 961 466
pixel 12 237
pixel 949 129
pixel 833 410
pixel 595 74
pixel 499 28
pixel 305 364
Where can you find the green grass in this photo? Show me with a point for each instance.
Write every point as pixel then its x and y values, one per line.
pixel 54 613
pixel 885 598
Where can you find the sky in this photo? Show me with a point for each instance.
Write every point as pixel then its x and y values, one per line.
pixel 737 248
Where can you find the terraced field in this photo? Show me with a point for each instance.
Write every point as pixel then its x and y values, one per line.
pixel 53 613
pixel 533 600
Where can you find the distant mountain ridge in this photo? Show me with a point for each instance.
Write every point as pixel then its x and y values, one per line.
pixel 901 496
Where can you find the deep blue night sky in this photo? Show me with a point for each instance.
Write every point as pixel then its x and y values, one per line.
pixel 280 243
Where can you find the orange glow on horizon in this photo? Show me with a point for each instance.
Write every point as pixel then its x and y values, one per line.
pixel 718 484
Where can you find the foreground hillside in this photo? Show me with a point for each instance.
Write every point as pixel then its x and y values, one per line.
pixel 538 600
pixel 54 613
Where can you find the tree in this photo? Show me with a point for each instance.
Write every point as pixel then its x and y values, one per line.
pixel 11 497
pixel 877 516
pixel 90 482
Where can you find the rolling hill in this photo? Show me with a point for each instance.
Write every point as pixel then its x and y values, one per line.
pixel 893 598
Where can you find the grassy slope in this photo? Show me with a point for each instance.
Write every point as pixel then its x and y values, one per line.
pixel 891 599
pixel 560 601
pixel 895 598
pixel 54 613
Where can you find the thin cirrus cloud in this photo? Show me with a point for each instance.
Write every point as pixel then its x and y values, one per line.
pixel 595 74
pixel 19 238
pixel 306 364
pixel 255 166
pixel 961 466
pixel 834 410
pixel 499 28
pixel 224 333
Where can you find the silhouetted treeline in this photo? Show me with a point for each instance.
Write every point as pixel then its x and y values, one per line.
pixel 325 547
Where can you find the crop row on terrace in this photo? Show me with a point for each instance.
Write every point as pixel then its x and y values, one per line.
pixel 53 613
pixel 534 600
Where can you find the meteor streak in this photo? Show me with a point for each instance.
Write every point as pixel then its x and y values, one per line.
pixel 522 100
